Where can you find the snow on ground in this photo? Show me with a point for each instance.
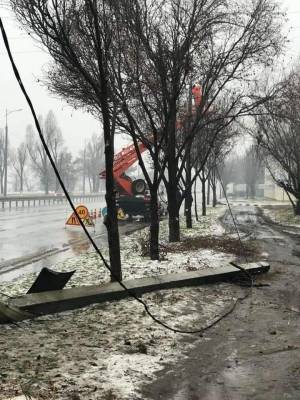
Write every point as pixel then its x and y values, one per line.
pixel 282 214
pixel 104 351
pixel 90 270
pixel 109 350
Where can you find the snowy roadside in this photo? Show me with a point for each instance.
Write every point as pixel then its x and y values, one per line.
pixel 108 351
pixel 282 214
pixel 90 269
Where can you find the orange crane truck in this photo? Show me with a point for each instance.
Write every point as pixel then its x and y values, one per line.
pixel 132 197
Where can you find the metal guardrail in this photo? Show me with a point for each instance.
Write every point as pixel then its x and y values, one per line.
pixel 29 201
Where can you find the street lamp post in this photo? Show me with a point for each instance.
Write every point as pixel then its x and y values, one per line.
pixel 7 113
pixel 5 156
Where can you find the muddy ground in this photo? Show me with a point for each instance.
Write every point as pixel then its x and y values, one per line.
pixel 255 352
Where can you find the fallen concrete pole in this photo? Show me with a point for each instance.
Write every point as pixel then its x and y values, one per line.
pixel 12 314
pixel 68 299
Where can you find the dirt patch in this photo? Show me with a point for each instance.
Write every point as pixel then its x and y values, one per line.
pixel 224 244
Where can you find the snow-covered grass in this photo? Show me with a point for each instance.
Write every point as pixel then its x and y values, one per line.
pixel 109 351
pixel 282 214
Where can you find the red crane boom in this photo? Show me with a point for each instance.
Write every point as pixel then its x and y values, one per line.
pixel 123 160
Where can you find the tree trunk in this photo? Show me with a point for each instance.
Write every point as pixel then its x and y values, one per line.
pixel 253 191
pixel 21 183
pixel 112 221
pixel 208 191
pixel 297 207
pixel 110 197
pixel 188 209
pixel 172 189
pixel 57 185
pixel 214 190
pixel 154 226
pixel 188 193
pixel 46 184
pixel 203 198
pixel 195 200
pixel 174 228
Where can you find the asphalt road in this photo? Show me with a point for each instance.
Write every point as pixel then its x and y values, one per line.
pixel 254 353
pixel 31 238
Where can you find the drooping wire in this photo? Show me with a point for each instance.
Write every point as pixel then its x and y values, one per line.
pixel 129 292
pixel 231 214
pixel 243 250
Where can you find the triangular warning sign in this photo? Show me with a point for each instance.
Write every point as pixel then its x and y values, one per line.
pixel 72 220
pixel 83 213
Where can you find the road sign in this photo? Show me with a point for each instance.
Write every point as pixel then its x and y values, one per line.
pixel 120 215
pixel 72 220
pixel 83 213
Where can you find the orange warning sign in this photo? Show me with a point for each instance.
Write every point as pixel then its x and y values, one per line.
pixel 83 214
pixel 72 220
pixel 82 211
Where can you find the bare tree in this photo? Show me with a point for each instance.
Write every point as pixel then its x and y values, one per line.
pixel 67 168
pixel 39 161
pixel 213 42
pixel 37 153
pixel 227 171
pixel 130 62
pixel 278 136
pixel 226 64
pixel 252 166
pixel 207 168
pixel 19 157
pixel 55 142
pixel 78 36
pixel 94 161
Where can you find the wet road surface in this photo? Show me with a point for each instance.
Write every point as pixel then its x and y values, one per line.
pixel 36 237
pixel 255 352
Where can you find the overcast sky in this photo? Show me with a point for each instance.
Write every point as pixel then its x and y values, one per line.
pixel 76 125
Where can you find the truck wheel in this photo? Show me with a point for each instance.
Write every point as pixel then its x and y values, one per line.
pixel 139 186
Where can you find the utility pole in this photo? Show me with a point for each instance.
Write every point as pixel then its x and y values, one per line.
pixel 5 155
pixel 84 162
